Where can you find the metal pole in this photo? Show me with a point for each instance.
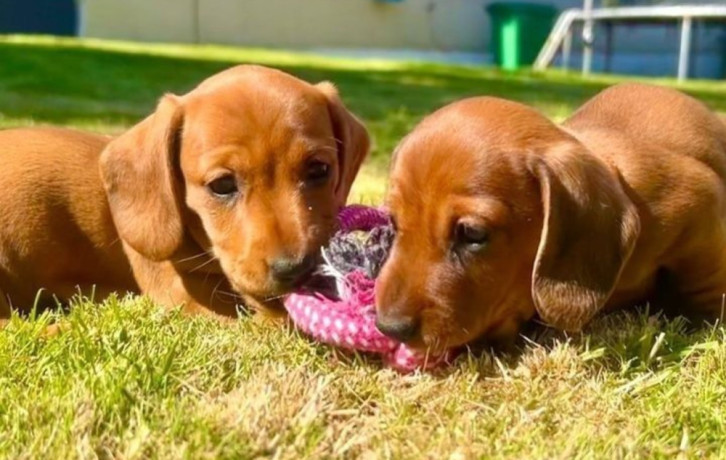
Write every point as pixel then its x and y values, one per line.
pixel 566 49
pixel 685 48
pixel 587 37
pixel 81 17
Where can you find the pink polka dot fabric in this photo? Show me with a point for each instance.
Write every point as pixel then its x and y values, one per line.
pixel 349 323
pixel 353 327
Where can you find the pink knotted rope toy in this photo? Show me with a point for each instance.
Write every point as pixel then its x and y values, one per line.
pixel 348 321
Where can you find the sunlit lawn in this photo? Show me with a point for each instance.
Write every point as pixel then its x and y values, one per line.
pixel 129 380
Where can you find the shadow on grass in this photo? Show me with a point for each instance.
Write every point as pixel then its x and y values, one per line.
pixel 628 343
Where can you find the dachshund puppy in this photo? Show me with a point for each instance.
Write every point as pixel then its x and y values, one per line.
pixel 229 189
pixel 502 215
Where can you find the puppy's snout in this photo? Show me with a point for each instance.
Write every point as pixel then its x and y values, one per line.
pixel 287 270
pixel 401 328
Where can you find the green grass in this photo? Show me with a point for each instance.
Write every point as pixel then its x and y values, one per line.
pixel 128 380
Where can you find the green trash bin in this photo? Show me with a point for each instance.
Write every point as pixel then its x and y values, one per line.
pixel 518 31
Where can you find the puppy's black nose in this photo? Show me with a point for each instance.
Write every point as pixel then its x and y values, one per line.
pixel 288 270
pixel 402 328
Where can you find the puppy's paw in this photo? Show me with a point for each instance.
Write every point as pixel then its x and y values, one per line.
pixel 55 329
pixel 272 311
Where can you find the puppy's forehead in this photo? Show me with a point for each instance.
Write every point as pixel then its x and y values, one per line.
pixel 498 124
pixel 477 146
pixel 236 108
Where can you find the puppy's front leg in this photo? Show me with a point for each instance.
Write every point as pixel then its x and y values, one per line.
pixel 196 292
pixel 701 284
pixel 202 293
pixel 272 311
pixel 4 310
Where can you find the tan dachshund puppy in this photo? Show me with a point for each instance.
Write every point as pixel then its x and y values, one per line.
pixel 229 189
pixel 502 214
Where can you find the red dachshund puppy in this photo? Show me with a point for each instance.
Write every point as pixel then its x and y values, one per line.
pixel 229 189
pixel 502 215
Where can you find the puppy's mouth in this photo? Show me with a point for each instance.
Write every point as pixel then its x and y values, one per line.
pixel 275 306
pixel 303 280
pixel 280 289
pixel 273 297
pixel 412 332
pixel 433 340
pixel 431 343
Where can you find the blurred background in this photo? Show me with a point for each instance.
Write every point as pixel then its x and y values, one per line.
pixel 102 65
pixel 458 31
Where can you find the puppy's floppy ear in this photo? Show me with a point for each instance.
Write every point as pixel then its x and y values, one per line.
pixel 589 230
pixel 352 139
pixel 139 173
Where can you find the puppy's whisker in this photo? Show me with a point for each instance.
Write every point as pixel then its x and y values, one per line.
pixel 203 264
pixel 330 149
pixel 214 291
pixel 267 299
pixel 187 259
pixel 229 294
pixel 337 141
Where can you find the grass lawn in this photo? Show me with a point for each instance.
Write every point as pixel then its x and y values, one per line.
pixel 130 380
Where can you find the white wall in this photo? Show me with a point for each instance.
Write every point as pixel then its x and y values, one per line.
pixel 415 24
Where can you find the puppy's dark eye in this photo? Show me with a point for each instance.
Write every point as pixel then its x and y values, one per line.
pixel 472 237
pixel 224 186
pixel 317 172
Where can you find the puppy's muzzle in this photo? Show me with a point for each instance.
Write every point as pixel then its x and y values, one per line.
pixel 288 271
pixel 401 328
